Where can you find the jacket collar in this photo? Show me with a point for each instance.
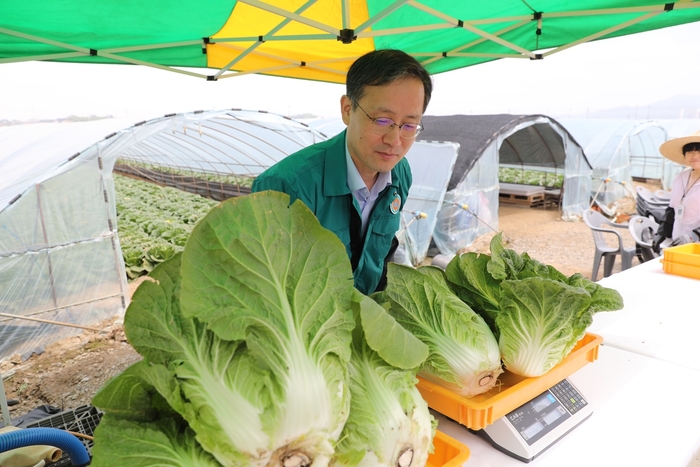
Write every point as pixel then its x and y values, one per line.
pixel 335 171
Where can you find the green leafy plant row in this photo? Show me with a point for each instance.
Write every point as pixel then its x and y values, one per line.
pixel 530 177
pixel 154 222
pixel 229 179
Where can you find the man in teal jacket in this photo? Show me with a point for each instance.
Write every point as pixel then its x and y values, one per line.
pixel 357 182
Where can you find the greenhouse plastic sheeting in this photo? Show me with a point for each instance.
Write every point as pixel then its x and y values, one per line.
pixel 622 150
pixel 533 141
pixel 617 149
pixel 59 254
pixel 431 165
pixel 60 257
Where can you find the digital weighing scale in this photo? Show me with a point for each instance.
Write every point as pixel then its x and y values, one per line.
pixel 533 427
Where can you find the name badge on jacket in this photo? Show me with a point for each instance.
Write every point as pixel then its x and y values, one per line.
pixel 396 204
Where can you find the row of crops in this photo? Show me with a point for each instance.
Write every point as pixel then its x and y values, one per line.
pixel 154 222
pixel 228 179
pixel 530 177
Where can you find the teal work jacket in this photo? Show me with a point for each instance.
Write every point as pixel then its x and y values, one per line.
pixel 317 175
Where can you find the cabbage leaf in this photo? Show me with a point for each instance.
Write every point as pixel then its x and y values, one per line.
pixel 464 355
pixel 536 312
pixel 389 423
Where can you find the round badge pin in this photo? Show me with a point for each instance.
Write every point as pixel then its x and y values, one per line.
pixel 395 205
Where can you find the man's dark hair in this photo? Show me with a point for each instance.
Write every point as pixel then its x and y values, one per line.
pixel 691 147
pixel 383 67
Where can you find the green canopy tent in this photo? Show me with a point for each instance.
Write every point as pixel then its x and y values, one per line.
pixel 315 39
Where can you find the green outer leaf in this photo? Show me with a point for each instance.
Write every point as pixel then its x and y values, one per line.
pixel 167 442
pixel 463 350
pixel 467 276
pixel 128 395
pixel 198 373
pixel 387 414
pixel 540 321
pixel 253 255
pixel 258 270
pixel 389 339
pixel 602 298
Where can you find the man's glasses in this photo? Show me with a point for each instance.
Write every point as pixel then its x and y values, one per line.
pixel 384 125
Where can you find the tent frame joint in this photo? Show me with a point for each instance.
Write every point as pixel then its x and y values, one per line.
pixel 347 36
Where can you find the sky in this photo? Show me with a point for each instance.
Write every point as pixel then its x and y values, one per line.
pixel 636 71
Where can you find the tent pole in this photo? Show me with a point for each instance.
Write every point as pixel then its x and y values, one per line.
pixel 49 321
pixel 46 240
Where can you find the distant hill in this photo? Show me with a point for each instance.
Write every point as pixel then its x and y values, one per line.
pixel 682 106
pixel 69 119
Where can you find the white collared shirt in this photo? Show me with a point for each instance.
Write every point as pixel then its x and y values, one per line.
pixel 365 198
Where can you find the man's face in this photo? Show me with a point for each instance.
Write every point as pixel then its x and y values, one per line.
pixel 401 101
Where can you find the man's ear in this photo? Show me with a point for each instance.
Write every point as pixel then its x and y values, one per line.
pixel 345 108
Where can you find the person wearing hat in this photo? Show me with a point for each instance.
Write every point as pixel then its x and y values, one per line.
pixel 681 221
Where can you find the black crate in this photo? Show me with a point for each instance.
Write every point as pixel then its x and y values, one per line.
pixel 82 420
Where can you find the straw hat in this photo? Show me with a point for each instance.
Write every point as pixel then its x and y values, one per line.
pixel 673 148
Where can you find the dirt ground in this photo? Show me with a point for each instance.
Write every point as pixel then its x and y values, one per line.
pixel 70 372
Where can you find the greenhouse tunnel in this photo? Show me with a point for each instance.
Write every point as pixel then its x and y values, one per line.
pixel 494 149
pixel 619 151
pixel 61 261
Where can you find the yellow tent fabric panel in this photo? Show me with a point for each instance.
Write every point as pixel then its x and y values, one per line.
pixel 318 57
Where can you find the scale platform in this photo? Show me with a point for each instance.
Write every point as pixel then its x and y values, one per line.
pixel 533 427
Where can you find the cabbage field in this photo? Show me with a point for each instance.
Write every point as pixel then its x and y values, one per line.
pixel 154 222
pixel 177 172
pixel 530 177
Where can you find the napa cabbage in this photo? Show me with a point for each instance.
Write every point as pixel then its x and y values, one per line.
pixel 537 313
pixel 258 351
pixel 464 354
pixel 247 335
pixel 389 423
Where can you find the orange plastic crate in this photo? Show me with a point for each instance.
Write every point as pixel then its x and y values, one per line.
pixel 513 391
pixel 688 254
pixel 680 269
pixel 448 452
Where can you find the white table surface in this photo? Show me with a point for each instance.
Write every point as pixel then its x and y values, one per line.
pixel 643 387
pixel 661 317
pixel 644 415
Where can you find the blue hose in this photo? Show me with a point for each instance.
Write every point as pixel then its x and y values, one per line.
pixel 63 440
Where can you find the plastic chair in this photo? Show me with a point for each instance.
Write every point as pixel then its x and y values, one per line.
pixel 650 204
pixel 643 229
pixel 663 195
pixel 608 243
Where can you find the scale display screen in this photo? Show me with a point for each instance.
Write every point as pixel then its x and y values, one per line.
pixel 545 412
